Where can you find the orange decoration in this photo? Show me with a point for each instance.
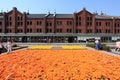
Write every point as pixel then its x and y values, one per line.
pixel 59 65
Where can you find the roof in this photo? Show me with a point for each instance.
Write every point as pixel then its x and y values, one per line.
pixel 36 15
pixel 106 17
pixel 50 15
pixel 64 15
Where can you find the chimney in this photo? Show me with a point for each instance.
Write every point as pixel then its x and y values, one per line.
pixel 14 8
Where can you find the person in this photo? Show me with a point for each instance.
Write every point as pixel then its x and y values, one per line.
pixel 9 46
pixel 117 46
pixel 96 43
pixel 1 46
pixel 99 44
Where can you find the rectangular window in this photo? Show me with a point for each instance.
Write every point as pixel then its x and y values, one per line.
pixel 30 30
pixel 27 30
pixel 79 18
pixel 18 23
pixel 60 22
pixel 107 23
pixel 39 22
pixel 21 23
pixel 0 30
pixel 0 23
pixel 27 22
pixel 61 30
pixel 21 18
pixel 58 30
pixel 70 30
pixel 10 18
pixel 69 23
pixel 18 18
pixel 67 30
pixel 10 23
pixel 30 22
pixel 50 30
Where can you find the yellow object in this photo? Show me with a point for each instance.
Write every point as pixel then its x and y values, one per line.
pixel 40 47
pixel 73 47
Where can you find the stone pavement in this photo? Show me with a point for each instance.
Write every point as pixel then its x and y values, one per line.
pixel 113 52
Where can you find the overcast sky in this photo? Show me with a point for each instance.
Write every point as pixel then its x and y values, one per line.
pixel 109 7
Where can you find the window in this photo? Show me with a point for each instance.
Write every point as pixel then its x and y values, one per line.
pixel 49 23
pixel 59 22
pixel 10 18
pixel 10 23
pixel 27 30
pixel 18 23
pixel 79 18
pixel 0 30
pixel 57 30
pixel 21 18
pixel 70 30
pixel 89 18
pixel 18 18
pixel 78 30
pixel 107 30
pixel 50 30
pixel 69 23
pixel 8 30
pixel 0 23
pixel 39 30
pixel 89 23
pixel 107 23
pixel 19 30
pixel 118 30
pixel 76 18
pixel 7 18
pixel 67 30
pixel 115 24
pixel 78 23
pixel 30 30
pixel 98 23
pixel 21 23
pixel 39 22
pixel 89 31
pixel 29 22
pixel 60 30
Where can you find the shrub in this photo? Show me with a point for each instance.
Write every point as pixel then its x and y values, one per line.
pixel 91 45
pixel 3 49
pixel 15 45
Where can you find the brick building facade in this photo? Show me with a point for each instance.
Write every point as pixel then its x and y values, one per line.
pixel 76 27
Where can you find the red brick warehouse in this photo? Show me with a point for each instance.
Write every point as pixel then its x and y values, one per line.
pixel 76 27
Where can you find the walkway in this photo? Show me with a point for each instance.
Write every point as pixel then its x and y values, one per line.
pixel 113 52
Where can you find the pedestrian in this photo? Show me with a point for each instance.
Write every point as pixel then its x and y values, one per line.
pixel 99 44
pixel 9 46
pixel 96 44
pixel 1 47
pixel 117 46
